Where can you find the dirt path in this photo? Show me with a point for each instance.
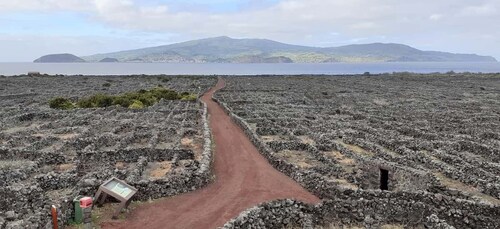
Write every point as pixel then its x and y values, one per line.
pixel 244 179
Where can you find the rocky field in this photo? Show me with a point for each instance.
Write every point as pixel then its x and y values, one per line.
pixel 432 141
pixel 48 156
pixel 381 151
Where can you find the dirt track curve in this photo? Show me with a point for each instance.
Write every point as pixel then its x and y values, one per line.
pixel 244 179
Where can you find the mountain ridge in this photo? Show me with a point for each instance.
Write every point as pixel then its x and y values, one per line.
pixel 228 50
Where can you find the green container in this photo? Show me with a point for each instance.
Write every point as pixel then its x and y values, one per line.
pixel 78 210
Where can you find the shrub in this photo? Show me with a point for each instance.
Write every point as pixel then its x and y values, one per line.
pixel 163 93
pixel 84 103
pixel 106 85
pixel 146 99
pixel 61 103
pixel 189 97
pixel 98 100
pixel 133 100
pixel 122 101
pixel 136 105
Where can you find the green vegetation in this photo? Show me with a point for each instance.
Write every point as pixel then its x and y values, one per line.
pixel 188 97
pixel 106 85
pixel 61 103
pixel 136 105
pixel 132 100
pixel 225 49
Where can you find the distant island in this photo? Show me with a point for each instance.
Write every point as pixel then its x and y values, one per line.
pixel 59 58
pixel 229 50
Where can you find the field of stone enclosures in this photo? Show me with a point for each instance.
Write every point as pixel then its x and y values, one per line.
pixel 396 150
pixel 48 156
pixel 436 139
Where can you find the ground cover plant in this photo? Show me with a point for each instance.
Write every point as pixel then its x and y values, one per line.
pixel 49 156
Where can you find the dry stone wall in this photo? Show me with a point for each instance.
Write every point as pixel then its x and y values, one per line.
pixel 341 165
pixel 50 156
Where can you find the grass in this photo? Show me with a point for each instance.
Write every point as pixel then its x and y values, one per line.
pixel 160 169
pixel 356 149
pixel 348 164
pixel 455 184
pixel 132 100
pixel 300 158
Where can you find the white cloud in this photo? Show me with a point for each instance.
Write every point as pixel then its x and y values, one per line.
pixel 480 10
pixel 457 25
pixel 364 26
pixel 38 5
pixel 436 17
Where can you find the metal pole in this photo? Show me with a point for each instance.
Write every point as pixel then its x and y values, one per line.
pixel 54 217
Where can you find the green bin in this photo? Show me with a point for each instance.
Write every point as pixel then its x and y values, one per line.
pixel 78 210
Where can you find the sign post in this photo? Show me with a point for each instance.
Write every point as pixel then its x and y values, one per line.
pixel 117 189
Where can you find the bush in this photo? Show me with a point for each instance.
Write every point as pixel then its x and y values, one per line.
pixel 98 100
pixel 163 93
pixel 61 103
pixel 132 100
pixel 136 105
pixel 122 101
pixel 106 85
pixel 189 97
pixel 84 103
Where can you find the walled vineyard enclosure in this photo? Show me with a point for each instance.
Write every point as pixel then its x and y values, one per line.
pixel 437 136
pixel 49 156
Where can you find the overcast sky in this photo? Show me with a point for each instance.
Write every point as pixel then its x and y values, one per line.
pixel 31 28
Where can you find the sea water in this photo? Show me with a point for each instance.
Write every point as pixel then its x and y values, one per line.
pixel 9 69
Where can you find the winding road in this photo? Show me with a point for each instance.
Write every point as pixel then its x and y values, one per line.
pixel 244 178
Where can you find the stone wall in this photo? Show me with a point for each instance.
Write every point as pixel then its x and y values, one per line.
pixel 34 205
pixel 195 176
pixel 294 214
pixel 367 207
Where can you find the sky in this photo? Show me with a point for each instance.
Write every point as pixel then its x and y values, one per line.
pixel 32 28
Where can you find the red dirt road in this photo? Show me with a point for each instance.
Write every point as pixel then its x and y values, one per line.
pixel 244 179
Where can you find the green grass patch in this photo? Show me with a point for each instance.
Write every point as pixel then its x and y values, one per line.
pixel 133 100
pixel 61 103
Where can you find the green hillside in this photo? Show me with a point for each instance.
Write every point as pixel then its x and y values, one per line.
pixel 228 50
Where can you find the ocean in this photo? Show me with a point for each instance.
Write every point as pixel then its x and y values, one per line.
pixel 9 69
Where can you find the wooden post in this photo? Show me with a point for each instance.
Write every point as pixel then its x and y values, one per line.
pixel 54 217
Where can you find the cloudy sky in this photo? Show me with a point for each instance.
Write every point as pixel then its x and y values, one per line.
pixel 31 28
